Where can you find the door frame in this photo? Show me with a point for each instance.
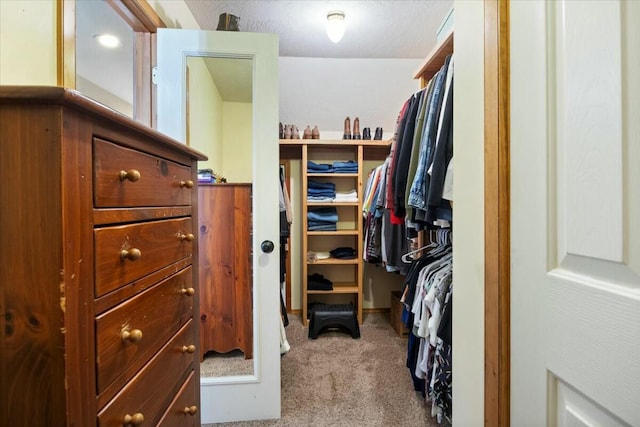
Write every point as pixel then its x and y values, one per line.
pixel 497 224
pixel 496 164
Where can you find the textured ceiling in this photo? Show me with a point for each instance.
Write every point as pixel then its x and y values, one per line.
pixel 374 29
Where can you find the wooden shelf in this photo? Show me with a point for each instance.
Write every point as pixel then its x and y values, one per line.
pixel 319 204
pixel 339 288
pixel 334 233
pixel 334 261
pixel 435 59
pixel 372 149
pixel 333 175
pixel 336 142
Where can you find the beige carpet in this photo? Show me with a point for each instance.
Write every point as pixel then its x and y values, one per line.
pixel 340 381
pixel 225 364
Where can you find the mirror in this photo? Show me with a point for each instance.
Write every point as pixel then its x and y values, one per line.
pixel 219 112
pixel 254 396
pixel 96 64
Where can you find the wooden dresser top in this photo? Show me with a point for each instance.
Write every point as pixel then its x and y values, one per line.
pixel 56 95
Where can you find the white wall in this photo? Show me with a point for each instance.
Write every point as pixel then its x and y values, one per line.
pixel 103 96
pixel 237 141
pixel 323 91
pixel 205 115
pixel 28 42
pixel 468 235
pixel 175 14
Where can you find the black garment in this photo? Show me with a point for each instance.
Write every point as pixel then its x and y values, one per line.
pixel 399 138
pixel 343 253
pixel 317 282
pixel 444 330
pixel 442 157
pixel 413 349
pixel 403 155
pixel 283 311
pixel 411 278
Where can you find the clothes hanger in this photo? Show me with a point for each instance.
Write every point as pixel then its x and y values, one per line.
pixel 405 257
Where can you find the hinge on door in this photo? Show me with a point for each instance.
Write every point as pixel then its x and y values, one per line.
pixel 154 75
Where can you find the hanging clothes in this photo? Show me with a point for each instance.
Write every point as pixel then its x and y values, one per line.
pixel 427 298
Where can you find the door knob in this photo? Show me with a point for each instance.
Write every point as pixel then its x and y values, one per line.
pixel 267 246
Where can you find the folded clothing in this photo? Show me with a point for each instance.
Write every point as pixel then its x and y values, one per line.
pixel 349 166
pixel 317 282
pixel 319 167
pixel 324 214
pixel 346 196
pixel 320 185
pixel 320 199
pixel 343 253
pixel 321 226
pixel 315 256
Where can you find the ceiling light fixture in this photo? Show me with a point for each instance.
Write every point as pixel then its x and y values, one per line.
pixel 108 40
pixel 335 25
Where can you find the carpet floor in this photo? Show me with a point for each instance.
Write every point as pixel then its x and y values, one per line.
pixel 336 380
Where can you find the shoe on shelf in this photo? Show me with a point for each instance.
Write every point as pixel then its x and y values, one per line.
pixel 281 132
pixel 287 131
pixel 347 128
pixel 366 133
pixel 315 133
pixel 307 133
pixel 378 134
pixel 356 128
pixel 295 133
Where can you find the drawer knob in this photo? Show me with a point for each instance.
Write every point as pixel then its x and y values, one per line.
pixel 133 420
pixel 190 410
pixel 189 349
pixel 188 237
pixel 130 175
pixel 131 254
pixel 187 184
pixel 133 336
pixel 188 291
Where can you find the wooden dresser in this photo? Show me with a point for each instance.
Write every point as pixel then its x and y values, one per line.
pixel 225 268
pixel 98 286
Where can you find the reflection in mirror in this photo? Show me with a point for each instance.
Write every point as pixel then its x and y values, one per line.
pixel 96 64
pixel 219 124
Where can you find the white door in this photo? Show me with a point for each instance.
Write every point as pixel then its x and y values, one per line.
pixel 254 396
pixel 575 200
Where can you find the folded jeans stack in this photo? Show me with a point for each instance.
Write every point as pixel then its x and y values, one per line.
pixel 322 219
pixel 348 166
pixel 320 191
pixel 318 167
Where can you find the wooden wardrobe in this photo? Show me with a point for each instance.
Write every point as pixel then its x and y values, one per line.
pixel 225 236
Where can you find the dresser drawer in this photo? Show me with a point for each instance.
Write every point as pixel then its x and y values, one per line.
pixel 127 252
pixel 183 411
pixel 155 314
pixel 125 178
pixel 151 391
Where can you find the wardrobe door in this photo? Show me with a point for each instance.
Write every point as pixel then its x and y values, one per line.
pixel 251 146
pixel 575 209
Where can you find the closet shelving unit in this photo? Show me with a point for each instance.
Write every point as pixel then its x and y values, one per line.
pixel 346 275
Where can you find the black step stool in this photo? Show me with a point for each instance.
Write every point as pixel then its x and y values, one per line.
pixel 324 316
